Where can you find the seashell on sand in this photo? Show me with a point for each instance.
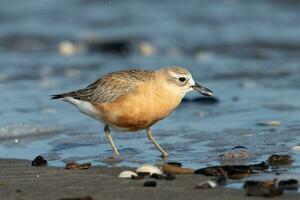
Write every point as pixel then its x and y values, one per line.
pixel 127 174
pixel 151 169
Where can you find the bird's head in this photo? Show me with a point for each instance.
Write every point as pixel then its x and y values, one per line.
pixel 180 79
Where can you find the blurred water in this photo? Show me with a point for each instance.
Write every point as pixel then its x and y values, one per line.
pixel 247 52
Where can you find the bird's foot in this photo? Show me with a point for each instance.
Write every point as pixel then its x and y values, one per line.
pixel 115 158
pixel 164 155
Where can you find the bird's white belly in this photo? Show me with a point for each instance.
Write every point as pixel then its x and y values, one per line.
pixel 88 109
pixel 85 107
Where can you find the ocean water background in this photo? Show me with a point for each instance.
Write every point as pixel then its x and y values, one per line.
pixel 247 52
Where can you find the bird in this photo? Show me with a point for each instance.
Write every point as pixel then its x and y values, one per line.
pixel 134 99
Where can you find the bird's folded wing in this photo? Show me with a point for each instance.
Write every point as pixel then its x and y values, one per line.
pixel 111 86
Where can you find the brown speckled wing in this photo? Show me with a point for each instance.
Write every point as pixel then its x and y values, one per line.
pixel 111 86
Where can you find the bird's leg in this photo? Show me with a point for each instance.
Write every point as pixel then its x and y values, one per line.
pixel 164 154
pixel 108 135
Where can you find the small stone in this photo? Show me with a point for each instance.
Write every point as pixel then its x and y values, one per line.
pixel 138 177
pixel 278 159
pixel 75 165
pixel 143 173
pixel 291 184
pixel 67 48
pixel 235 155
pixel 79 198
pixel 150 184
pixel 146 49
pixel 157 176
pixel 39 161
pixel 166 176
pixel 232 171
pixel 206 185
pixel 269 123
pixel 262 188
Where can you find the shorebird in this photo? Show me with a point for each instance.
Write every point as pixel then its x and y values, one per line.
pixel 134 99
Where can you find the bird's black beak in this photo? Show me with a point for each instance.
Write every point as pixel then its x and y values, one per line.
pixel 203 90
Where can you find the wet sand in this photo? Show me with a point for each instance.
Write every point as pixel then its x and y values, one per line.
pixel 18 180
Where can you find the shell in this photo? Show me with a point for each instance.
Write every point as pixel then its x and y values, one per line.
pixel 127 174
pixel 207 184
pixel 146 168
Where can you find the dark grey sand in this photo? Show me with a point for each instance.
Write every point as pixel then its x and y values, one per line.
pixel 18 180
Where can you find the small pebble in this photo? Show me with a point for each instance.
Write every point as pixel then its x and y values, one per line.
pixel 143 173
pixel 150 184
pixel 75 165
pixel 206 185
pixel 79 198
pixel 67 48
pixel 235 155
pixel 157 176
pixel 39 161
pixel 262 188
pixel 138 177
pixel 269 123
pixel 166 176
pixel 146 49
pixel 278 159
pixel 177 164
pixel 291 184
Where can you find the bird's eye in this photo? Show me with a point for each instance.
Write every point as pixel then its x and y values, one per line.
pixel 182 79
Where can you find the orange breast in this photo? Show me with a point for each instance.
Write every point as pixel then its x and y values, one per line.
pixel 148 104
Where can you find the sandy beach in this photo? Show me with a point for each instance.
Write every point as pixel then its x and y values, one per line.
pixel 21 181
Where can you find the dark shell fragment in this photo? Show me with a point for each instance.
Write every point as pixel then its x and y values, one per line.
pixel 150 184
pixel 232 171
pixel 75 165
pixel 278 159
pixel 39 161
pixel 166 176
pixel 262 188
pixel 291 184
pixel 138 177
